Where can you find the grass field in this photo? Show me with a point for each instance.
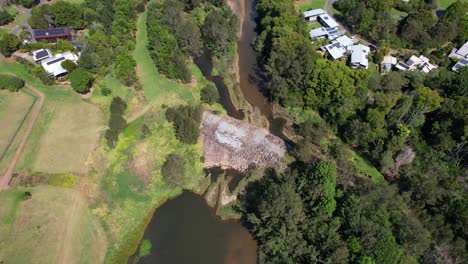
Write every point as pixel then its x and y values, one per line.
pixel 14 108
pixel 12 10
pixel 305 5
pixel 70 138
pixel 54 226
pixel 446 3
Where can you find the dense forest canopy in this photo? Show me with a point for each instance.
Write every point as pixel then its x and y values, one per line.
pixel 421 28
pixel 411 126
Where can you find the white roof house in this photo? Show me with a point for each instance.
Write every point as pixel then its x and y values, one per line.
pixel 387 63
pixel 327 21
pixel 41 54
pixel 462 63
pixel 461 53
pixel 335 49
pixel 360 56
pixel 345 41
pixel 53 65
pixel 414 63
pixel 312 15
pixel 330 33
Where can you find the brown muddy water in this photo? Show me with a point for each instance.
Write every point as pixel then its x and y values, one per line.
pixel 185 230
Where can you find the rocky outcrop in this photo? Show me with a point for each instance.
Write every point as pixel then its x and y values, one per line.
pixel 231 143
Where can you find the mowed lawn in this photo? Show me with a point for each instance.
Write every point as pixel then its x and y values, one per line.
pixel 14 108
pixel 157 88
pixel 305 5
pixel 54 226
pixel 70 138
pixel 66 131
pixel 446 3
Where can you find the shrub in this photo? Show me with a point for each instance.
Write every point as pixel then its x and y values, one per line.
pixel 81 80
pixel 173 169
pixel 10 83
pixel 116 121
pixel 106 91
pixel 186 120
pixel 28 3
pixel 5 17
pixel 44 76
pixel 27 195
pixel 68 65
pixel 209 94
pixel 9 43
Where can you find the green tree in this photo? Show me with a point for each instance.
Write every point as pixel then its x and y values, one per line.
pixel 9 43
pixel 5 17
pixel 10 83
pixel 68 65
pixel 220 30
pixel 173 170
pixel 28 3
pixel 209 94
pixel 81 80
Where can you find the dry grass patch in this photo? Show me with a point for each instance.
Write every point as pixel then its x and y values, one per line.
pixel 70 139
pixel 54 226
pixel 14 115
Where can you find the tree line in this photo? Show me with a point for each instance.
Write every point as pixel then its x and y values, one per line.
pixel 410 126
pixel 420 29
pixel 178 30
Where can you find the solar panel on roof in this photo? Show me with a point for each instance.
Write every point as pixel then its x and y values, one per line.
pixel 464 61
pixel 42 54
pixel 51 32
pixel 55 61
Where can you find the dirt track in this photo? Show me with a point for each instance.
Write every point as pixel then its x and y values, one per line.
pixel 5 179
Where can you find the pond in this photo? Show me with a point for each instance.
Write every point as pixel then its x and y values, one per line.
pixel 186 230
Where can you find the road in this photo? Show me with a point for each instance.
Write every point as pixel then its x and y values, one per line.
pixel 6 178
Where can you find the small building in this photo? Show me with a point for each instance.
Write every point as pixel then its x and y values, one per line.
pixel 335 50
pixel 416 63
pixel 312 15
pixel 345 41
pixel 323 32
pixel 53 34
pixel 77 45
pixel 41 54
pixel 387 64
pixel 462 63
pixel 53 65
pixel 327 21
pixel 360 56
pixel 461 53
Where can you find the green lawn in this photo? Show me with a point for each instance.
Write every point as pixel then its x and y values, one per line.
pixel 12 10
pixel 305 5
pixel 445 3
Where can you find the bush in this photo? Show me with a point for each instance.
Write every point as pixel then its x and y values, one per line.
pixel 44 76
pixel 27 195
pixel 10 83
pixel 173 169
pixel 186 120
pixel 81 80
pixel 5 17
pixel 9 43
pixel 209 94
pixel 28 3
pixel 106 91
pixel 116 121
pixel 68 65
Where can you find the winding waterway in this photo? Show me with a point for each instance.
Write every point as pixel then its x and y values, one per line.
pixel 185 229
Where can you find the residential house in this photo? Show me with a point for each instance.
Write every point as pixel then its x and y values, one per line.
pixel 41 54
pixel 460 64
pixel 322 32
pixel 420 63
pixel 360 56
pixel 327 21
pixel 53 65
pixel 312 15
pixel 339 47
pixel 53 34
pixel 461 53
pixel 387 64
